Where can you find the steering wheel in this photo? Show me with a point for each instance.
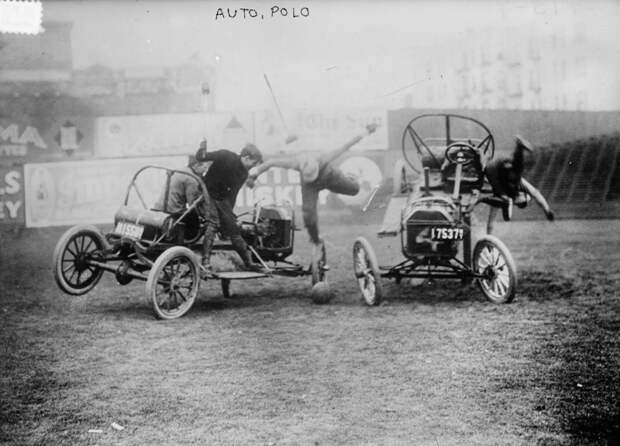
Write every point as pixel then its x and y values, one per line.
pixel 461 153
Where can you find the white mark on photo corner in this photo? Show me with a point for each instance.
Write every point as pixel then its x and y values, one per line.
pixel 21 17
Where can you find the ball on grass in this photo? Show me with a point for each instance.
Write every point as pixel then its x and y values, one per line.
pixel 320 293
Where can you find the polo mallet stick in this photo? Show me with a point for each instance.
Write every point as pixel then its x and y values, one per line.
pixel 290 138
pixel 371 197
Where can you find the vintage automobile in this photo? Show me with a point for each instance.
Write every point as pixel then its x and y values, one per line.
pixel 435 191
pixel 149 243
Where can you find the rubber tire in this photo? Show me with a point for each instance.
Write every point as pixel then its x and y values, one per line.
pixel 162 261
pixel 60 249
pixel 504 252
pixel 372 272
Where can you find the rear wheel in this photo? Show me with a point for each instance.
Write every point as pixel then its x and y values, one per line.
pixel 76 249
pixel 172 285
pixel 493 260
pixel 366 271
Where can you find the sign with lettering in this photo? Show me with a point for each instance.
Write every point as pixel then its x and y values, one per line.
pixel 321 130
pixel 15 139
pixel 170 134
pixel 72 192
pixel 37 139
pixel 11 195
pixel 283 185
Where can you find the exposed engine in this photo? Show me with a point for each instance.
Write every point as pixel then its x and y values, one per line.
pixel 272 232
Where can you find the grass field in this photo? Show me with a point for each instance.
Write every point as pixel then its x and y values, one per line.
pixel 435 364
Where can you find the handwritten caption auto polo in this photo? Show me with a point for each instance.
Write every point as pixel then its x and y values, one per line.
pixel 275 12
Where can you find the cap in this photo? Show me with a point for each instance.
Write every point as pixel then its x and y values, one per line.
pixel 250 150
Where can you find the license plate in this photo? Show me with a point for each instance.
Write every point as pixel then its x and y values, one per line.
pixel 129 229
pixel 445 233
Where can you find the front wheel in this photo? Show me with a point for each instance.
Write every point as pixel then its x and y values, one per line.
pixel 319 263
pixel 172 285
pixel 366 270
pixel 74 253
pixel 493 260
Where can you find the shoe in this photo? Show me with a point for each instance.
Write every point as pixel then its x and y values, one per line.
pixel 206 272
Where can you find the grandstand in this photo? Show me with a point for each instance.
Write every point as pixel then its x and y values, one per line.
pixel 579 178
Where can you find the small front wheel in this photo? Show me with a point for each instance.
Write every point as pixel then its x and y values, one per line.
pixel 172 285
pixel 493 261
pixel 366 270
pixel 319 263
pixel 73 259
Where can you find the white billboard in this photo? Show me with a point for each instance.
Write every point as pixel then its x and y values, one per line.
pixel 320 130
pixel 73 192
pixel 170 134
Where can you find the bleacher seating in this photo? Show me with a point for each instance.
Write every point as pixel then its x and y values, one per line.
pixel 567 175
pixel 553 171
pixel 578 171
pixel 536 174
pixel 582 183
pixel 611 163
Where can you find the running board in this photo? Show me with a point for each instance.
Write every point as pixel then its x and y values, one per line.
pixel 238 275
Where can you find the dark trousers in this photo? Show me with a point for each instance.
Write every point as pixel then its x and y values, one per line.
pixel 229 228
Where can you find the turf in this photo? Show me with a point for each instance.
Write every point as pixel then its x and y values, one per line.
pixel 434 364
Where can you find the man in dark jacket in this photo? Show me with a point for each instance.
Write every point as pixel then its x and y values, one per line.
pixel 505 175
pixel 224 178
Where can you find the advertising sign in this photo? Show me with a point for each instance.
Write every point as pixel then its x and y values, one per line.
pixel 11 196
pixel 320 130
pixel 169 134
pixel 71 192
pixel 282 185
pixel 27 139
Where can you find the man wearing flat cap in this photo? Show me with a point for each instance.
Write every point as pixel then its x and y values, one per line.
pixel 227 173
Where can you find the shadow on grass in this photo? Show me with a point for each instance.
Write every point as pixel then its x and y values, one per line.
pixel 584 388
pixel 532 286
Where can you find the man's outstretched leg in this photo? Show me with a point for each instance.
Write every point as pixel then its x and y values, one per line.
pixel 342 183
pixel 309 202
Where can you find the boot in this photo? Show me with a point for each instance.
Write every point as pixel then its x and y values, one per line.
pixel 241 247
pixel 207 247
